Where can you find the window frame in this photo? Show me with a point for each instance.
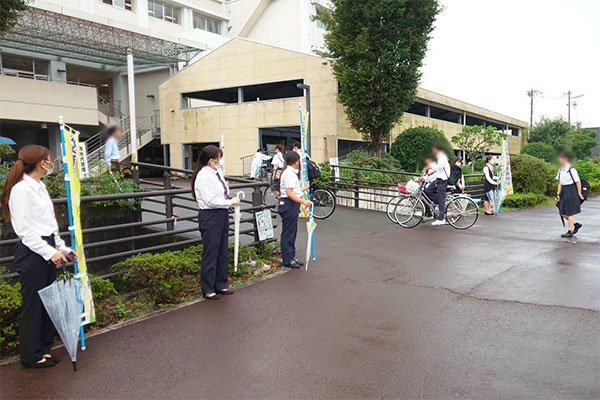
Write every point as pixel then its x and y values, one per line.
pixel 126 3
pixel 155 5
pixel 206 22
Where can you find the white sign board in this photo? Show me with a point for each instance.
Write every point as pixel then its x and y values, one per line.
pixel 335 171
pixel 264 225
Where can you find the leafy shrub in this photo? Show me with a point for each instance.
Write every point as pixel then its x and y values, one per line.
pixel 588 170
pixel 411 146
pixel 165 276
pixel 478 165
pixel 102 289
pixel 532 175
pixel 540 150
pixel 525 200
pixel 10 304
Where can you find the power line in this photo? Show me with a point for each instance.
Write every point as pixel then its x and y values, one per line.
pixel 569 97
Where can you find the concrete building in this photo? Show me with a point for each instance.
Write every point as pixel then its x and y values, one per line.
pixel 244 95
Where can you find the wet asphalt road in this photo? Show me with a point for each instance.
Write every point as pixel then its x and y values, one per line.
pixel 506 309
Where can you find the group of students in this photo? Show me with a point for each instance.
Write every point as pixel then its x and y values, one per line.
pixel 27 205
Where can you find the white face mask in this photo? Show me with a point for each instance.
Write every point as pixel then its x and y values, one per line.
pixel 221 162
pixel 50 170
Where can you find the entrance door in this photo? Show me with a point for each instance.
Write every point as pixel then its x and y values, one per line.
pixel 191 152
pixel 285 135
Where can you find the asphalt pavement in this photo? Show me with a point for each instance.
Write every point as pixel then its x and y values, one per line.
pixel 504 310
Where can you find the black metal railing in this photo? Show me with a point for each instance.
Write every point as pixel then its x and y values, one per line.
pixel 353 188
pixel 171 200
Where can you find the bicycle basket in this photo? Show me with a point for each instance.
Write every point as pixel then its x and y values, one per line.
pixel 412 187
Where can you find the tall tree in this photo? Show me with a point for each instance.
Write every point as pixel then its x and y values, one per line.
pixel 377 48
pixel 559 134
pixel 9 13
pixel 475 140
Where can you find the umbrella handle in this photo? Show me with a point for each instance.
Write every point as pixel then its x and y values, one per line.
pixel 64 268
pixel 241 195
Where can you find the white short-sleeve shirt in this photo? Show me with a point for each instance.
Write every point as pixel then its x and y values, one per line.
pixel 278 160
pixel 564 177
pixel 289 179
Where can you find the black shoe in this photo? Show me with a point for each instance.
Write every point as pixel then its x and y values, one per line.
pixel 576 228
pixel 293 264
pixel 46 364
pixel 53 358
pixel 225 291
pixel 299 263
pixel 209 297
pixel 568 234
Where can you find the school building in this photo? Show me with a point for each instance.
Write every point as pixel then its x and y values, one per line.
pixel 244 95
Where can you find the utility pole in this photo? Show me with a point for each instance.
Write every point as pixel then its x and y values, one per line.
pixel 569 98
pixel 532 93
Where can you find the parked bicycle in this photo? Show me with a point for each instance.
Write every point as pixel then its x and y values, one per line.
pixel 323 199
pixel 410 210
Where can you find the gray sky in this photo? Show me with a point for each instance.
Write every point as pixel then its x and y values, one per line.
pixel 491 52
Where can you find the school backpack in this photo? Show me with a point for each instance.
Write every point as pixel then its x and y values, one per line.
pixel 313 170
pixel 585 186
pixel 455 174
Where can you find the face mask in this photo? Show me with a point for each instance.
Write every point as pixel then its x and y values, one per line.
pixel 221 162
pixel 49 171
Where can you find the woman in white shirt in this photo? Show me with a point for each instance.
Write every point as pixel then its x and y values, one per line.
pixel 568 195
pixel 212 195
pixel 489 183
pixel 289 208
pixel 278 164
pixel 27 205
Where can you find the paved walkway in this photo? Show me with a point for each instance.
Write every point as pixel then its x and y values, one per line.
pixel 506 309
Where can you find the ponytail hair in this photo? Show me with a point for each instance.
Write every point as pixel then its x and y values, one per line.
pixel 208 153
pixel 28 158
pixel 290 159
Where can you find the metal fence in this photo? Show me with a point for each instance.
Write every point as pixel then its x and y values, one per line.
pixel 352 190
pixel 170 199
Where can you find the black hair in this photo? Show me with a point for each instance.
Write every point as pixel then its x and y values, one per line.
pixel 259 150
pixel 291 157
pixel 438 145
pixel 564 154
pixel 112 130
pixel 296 144
pixel 280 148
pixel 488 159
pixel 457 159
pixel 208 153
pixel 429 156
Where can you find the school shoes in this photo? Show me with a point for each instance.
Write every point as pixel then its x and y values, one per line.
pixel 46 364
pixel 438 222
pixel 211 296
pixel 293 264
pixel 225 291
pixel 299 263
pixel 576 228
pixel 567 234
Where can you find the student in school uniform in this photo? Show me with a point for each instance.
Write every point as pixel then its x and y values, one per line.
pixel 457 178
pixel 440 169
pixel 278 164
pixel 568 195
pixel 430 188
pixel 490 182
pixel 289 208
pixel 26 203
pixel 212 195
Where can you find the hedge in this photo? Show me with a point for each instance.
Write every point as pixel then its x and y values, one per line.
pixel 525 200
pixel 532 175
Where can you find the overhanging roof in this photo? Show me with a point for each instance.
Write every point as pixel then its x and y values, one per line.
pixel 61 35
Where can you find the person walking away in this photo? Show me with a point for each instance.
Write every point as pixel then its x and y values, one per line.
pixel 112 154
pixel 28 207
pixel 441 171
pixel 278 164
pixel 568 195
pixel 212 195
pixel 257 163
pixel 457 178
pixel 289 208
pixel 490 182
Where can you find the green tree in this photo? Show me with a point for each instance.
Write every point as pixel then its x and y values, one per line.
pixel 580 142
pixel 540 150
pixel 9 13
pixel 475 140
pixel 411 146
pixel 562 136
pixel 549 131
pixel 377 48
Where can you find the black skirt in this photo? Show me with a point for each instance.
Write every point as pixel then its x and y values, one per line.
pixel 570 203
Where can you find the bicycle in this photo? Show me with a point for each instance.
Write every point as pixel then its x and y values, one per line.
pixel 391 205
pixel 323 199
pixel 461 211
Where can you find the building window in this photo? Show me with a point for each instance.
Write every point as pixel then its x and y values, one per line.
pixel 166 12
pixel 207 24
pixel 125 4
pixel 320 23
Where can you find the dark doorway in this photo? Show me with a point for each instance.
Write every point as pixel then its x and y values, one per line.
pixel 285 135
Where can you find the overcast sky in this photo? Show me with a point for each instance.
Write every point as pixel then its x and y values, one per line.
pixel 491 52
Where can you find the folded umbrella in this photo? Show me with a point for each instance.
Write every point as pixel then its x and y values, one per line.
pixel 310 229
pixel 60 301
pixel 237 216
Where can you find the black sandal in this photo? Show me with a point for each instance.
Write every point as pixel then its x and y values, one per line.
pixel 46 364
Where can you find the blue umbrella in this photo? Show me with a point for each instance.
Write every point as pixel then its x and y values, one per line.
pixel 5 140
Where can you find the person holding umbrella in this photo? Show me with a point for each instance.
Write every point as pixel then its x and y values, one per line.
pixel 212 195
pixel 27 205
pixel 289 208
pixel 568 195
pixel 490 182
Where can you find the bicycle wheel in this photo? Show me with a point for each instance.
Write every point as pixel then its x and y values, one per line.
pixel 391 208
pixel 270 198
pixel 462 213
pixel 323 203
pixel 409 212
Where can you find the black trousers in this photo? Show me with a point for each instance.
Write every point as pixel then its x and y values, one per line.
pixel 214 228
pixel 36 332
pixel 289 211
pixel 437 193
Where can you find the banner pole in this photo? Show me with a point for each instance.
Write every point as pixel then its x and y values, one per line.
pixel 61 125
pixel 305 162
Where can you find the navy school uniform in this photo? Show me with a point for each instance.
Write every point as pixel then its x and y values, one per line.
pixel 212 195
pixel 289 211
pixel 570 203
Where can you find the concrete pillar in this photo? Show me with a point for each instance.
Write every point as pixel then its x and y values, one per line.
pixel 141 12
pixel 57 71
pixel 176 155
pixel 54 140
pixel 428 112
pixel 187 21
pixel 240 94
pixel 119 93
